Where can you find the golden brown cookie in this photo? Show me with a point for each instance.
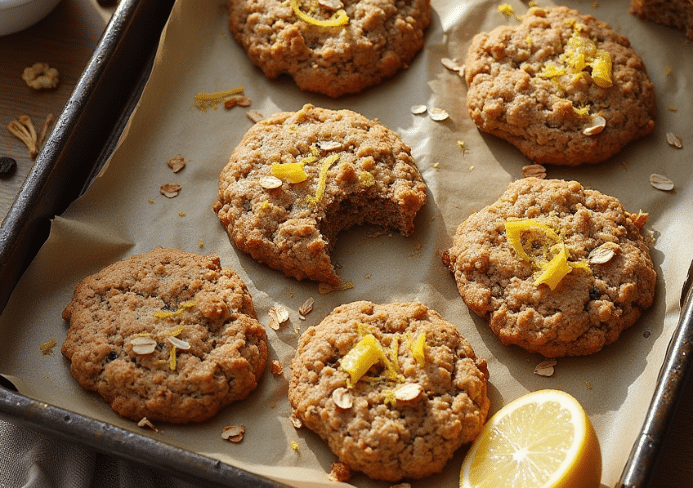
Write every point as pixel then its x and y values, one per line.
pixel 167 335
pixel 555 268
pixel 673 13
pixel 297 179
pixel 562 87
pixel 333 47
pixel 394 389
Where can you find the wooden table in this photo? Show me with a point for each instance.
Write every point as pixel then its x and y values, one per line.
pixel 66 40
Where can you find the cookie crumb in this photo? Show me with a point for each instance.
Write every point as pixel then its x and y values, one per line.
pixel 295 447
pixel 418 109
pixel 295 421
pixel 277 369
pixel 340 472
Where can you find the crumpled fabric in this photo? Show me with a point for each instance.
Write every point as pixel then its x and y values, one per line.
pixel 31 459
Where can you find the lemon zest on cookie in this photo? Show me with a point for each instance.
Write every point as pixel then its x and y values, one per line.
pixel 339 18
pixel 366 178
pixel 417 349
pixel 173 332
pixel 161 314
pixel 550 271
pixel 172 358
pixel 366 353
pixel 291 172
pixel 322 179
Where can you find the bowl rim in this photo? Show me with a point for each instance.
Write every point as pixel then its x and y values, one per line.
pixel 5 4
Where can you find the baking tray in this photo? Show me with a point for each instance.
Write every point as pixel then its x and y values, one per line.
pixel 84 137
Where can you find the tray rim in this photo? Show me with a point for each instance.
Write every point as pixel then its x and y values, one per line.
pixel 27 224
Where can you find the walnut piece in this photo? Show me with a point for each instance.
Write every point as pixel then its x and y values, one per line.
pixel 40 76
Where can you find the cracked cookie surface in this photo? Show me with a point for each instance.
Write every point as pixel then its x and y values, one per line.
pixel 541 85
pixel 206 347
pixel 331 169
pixel 410 411
pixel 380 38
pixel 610 282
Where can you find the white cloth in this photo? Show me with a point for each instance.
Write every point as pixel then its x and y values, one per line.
pixel 31 459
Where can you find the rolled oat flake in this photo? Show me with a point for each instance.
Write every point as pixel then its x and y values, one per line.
pixel 661 182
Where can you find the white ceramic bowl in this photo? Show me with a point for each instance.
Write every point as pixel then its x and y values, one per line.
pixel 16 15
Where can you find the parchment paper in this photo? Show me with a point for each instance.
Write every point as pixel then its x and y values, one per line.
pixel 123 214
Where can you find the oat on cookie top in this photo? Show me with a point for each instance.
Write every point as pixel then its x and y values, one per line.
pixel 297 179
pixel 333 47
pixel 564 88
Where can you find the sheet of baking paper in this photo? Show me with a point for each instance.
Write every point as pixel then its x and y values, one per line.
pixel 123 213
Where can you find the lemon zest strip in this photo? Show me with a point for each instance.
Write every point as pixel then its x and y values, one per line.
pixel 339 18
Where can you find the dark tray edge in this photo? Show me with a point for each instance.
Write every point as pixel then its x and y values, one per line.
pixel 105 96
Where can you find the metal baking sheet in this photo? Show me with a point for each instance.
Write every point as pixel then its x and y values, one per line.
pixel 85 136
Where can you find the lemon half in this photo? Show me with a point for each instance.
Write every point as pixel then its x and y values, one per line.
pixel 543 439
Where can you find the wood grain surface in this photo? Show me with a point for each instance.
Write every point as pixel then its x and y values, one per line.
pixel 66 40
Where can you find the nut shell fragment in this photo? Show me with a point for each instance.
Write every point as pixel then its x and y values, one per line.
pixel 342 398
pixel 409 392
pixel 170 190
pixel 176 163
pixel 278 315
pixel 546 367
pixel 596 126
pixel 233 433
pixel 674 140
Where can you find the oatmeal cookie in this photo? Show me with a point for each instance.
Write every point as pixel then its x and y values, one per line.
pixel 297 179
pixel 673 13
pixel 564 88
pixel 167 335
pixel 373 41
pixel 555 268
pixel 394 389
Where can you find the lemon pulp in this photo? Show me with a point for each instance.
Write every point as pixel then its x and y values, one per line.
pixel 541 440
